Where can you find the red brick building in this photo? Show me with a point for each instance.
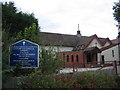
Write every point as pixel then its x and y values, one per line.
pixel 76 50
pixel 80 58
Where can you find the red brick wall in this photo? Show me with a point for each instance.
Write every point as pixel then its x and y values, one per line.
pixel 82 59
pixel 76 63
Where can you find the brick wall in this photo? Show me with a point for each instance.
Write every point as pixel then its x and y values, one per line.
pixel 76 59
pixel 73 59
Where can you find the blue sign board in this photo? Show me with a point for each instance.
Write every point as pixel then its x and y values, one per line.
pixel 25 54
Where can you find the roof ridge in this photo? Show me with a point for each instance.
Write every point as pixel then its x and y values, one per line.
pixel 57 33
pixel 62 34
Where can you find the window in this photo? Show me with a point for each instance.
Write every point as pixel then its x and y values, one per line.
pixel 113 53
pixel 76 58
pixel 82 46
pixel 72 58
pixel 67 58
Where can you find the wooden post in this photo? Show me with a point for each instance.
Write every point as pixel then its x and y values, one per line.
pixel 115 67
pixel 73 68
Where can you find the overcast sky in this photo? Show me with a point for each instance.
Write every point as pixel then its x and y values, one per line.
pixel 63 16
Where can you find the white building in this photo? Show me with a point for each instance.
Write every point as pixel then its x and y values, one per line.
pixel 112 52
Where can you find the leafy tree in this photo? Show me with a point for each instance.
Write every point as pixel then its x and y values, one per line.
pixel 7 41
pixel 116 14
pixel 30 33
pixel 16 20
pixel 50 62
pixel 6 69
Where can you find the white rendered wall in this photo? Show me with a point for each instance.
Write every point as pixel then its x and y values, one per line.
pixel 108 54
pixel 93 44
pixel 58 48
pixel 99 57
pixel 106 44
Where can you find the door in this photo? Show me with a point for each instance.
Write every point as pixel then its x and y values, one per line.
pixel 103 59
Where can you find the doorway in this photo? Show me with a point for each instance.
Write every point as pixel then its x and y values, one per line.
pixel 89 58
pixel 103 59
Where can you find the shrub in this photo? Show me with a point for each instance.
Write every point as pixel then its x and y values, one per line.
pixel 72 80
pixel 49 61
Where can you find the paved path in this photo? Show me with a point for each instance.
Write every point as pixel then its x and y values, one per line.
pixel 69 70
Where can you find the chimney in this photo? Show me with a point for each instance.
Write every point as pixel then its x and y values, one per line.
pixel 78 32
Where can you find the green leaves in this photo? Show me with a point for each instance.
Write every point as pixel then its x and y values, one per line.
pixel 49 61
pixel 16 20
pixel 116 13
pixel 30 33
pixel 75 80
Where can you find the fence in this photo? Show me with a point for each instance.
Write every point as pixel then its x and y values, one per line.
pixel 109 66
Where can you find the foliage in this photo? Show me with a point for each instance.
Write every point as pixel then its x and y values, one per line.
pixel 16 25
pixel 6 69
pixel 118 80
pixel 72 80
pixel 116 9
pixel 116 14
pixel 16 20
pixel 18 71
pixel 30 33
pixel 49 61
pixel 7 41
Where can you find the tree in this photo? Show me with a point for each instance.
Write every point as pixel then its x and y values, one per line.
pixel 50 62
pixel 30 33
pixel 116 14
pixel 16 20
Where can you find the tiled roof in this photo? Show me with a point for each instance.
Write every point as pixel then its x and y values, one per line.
pixel 92 50
pixel 66 40
pixel 107 47
pixel 58 39
pixel 83 42
pixel 116 41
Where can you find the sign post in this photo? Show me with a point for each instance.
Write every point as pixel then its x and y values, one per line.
pixel 25 54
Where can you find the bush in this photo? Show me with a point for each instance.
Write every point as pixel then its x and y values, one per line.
pixel 50 61
pixel 118 80
pixel 72 80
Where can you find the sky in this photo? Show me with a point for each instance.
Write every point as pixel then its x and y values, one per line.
pixel 63 16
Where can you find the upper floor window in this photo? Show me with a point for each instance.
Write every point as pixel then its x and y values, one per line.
pixel 82 46
pixel 113 53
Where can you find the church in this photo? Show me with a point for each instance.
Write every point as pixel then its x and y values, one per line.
pixel 81 51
